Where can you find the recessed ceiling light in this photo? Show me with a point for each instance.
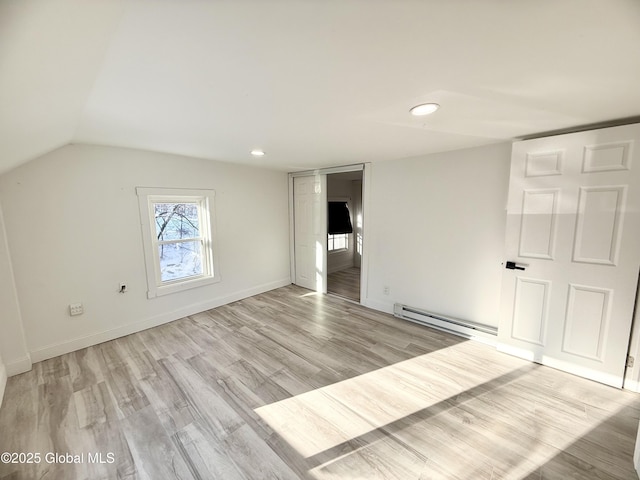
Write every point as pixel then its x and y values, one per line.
pixel 257 153
pixel 424 109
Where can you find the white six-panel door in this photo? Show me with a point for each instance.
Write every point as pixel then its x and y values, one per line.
pixel 573 224
pixel 310 231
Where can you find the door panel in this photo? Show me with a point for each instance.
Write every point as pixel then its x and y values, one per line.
pixel 543 164
pixel 573 223
pixel 310 231
pixel 599 221
pixel 588 316
pixel 537 235
pixel 531 310
pixel 606 157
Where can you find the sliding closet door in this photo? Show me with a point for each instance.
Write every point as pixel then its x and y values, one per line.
pixel 310 231
pixel 573 247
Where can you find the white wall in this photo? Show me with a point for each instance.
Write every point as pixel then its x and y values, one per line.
pixel 74 233
pixel 435 232
pixel 14 357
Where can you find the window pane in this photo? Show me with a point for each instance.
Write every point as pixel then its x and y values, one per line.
pixel 180 260
pixel 175 221
pixel 338 242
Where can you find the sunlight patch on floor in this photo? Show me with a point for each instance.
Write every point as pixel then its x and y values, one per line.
pixel 311 294
pixel 318 420
pixel 359 428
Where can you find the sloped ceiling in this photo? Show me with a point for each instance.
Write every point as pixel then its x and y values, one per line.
pixel 313 83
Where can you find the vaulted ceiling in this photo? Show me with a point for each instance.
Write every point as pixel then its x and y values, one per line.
pixel 313 83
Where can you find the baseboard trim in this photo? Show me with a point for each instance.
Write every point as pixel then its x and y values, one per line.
pixel 380 306
pixel 55 350
pixel 568 367
pixel 21 365
pixel 3 381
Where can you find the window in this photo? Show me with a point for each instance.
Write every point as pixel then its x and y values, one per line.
pixel 338 242
pixel 338 226
pixel 178 241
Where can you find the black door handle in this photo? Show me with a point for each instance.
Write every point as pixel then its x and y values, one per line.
pixel 513 266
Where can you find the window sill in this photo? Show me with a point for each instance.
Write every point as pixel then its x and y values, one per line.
pixel 168 289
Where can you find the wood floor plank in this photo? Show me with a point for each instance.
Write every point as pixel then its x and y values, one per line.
pixel 136 356
pixel 18 423
pixel 167 399
pixel 251 454
pixel 209 409
pixel 126 390
pixel 153 451
pixel 292 384
pixel 52 369
pixel 345 283
pixel 93 404
pixel 206 459
pixel 84 368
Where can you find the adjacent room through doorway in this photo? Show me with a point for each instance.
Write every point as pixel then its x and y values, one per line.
pixel 344 234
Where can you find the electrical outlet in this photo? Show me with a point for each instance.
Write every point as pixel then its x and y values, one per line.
pixel 386 290
pixel 75 309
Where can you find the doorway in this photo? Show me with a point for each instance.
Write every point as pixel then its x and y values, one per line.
pixel 336 263
pixel 344 234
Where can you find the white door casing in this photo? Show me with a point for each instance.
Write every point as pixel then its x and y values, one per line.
pixel 310 231
pixel 573 222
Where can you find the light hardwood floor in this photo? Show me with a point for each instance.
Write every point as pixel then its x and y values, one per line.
pixel 345 283
pixel 290 384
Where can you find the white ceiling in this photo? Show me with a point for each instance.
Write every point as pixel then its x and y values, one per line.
pixel 313 83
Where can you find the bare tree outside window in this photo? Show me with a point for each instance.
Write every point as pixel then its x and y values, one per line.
pixel 179 240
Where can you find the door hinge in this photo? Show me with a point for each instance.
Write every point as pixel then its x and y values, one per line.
pixel 630 361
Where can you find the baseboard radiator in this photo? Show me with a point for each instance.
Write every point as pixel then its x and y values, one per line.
pixel 455 326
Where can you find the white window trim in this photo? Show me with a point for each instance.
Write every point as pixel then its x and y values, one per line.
pixel 146 198
pixel 347 200
pixel 338 250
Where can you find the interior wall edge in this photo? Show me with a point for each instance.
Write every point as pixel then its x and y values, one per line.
pixel 13 342
pixel 55 350
pixel 3 381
